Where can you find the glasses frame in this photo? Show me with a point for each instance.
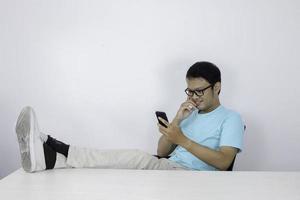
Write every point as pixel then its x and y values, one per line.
pixel 201 92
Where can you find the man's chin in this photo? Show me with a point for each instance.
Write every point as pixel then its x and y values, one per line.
pixel 201 107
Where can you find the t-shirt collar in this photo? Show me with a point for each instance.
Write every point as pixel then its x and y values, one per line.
pixel 211 112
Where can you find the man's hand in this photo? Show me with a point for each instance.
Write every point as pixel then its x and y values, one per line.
pixel 172 132
pixel 184 111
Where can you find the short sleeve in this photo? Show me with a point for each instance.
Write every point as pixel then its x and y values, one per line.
pixel 232 132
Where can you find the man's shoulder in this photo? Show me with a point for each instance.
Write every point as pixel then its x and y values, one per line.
pixel 230 113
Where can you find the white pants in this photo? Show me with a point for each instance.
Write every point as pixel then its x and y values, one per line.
pixel 116 159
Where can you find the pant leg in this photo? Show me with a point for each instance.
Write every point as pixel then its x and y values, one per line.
pixel 117 159
pixel 61 161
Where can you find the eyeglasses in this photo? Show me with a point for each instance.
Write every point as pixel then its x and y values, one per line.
pixel 199 93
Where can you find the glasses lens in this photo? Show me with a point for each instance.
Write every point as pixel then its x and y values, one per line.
pixel 199 92
pixel 189 92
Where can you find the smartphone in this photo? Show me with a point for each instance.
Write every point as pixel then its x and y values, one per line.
pixel 162 115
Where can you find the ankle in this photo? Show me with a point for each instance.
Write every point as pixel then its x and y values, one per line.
pixel 58 146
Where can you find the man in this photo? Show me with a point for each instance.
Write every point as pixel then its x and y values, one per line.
pixel 204 135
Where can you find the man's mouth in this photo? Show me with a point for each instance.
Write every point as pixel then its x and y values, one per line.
pixel 198 102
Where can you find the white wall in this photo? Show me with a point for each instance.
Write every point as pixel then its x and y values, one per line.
pixel 95 71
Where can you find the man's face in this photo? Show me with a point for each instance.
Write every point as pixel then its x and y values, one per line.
pixel 209 100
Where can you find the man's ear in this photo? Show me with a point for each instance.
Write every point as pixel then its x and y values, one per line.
pixel 217 87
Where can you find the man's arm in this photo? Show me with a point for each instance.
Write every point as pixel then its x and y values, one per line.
pixel 165 147
pixel 220 159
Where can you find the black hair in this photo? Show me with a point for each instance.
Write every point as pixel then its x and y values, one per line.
pixel 206 70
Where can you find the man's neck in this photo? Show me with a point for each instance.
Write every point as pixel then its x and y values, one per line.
pixel 210 109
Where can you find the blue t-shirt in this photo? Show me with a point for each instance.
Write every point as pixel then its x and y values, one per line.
pixel 220 127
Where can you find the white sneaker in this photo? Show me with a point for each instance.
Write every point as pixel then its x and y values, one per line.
pixel 30 143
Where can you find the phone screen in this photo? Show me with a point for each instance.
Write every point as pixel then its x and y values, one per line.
pixel 162 115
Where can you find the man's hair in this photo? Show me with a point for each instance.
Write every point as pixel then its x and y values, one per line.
pixel 206 70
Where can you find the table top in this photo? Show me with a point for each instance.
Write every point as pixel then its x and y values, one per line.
pixel 149 184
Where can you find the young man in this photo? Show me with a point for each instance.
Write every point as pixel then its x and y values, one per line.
pixel 204 135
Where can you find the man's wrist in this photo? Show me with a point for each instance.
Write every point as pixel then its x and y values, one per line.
pixel 176 121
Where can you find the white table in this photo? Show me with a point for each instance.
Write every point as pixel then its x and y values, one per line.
pixel 149 184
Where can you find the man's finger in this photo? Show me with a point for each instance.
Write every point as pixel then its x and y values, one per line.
pixel 162 130
pixel 190 102
pixel 188 107
pixel 161 127
pixel 163 121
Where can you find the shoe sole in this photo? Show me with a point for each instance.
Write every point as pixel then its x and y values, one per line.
pixel 25 131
